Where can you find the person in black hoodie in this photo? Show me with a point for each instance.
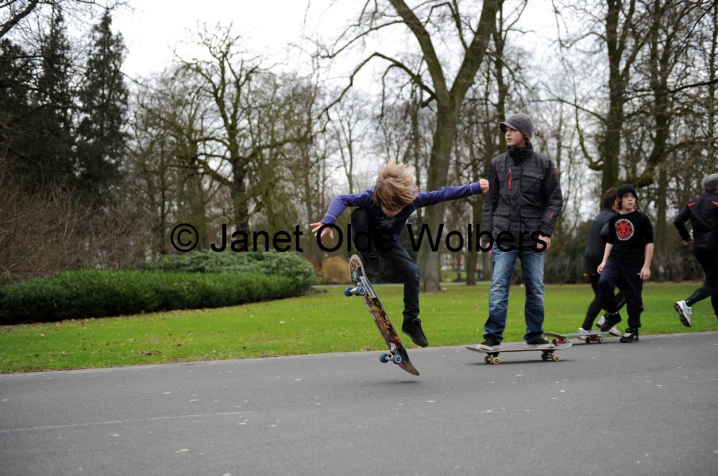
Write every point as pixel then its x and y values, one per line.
pixel 595 246
pixel 703 214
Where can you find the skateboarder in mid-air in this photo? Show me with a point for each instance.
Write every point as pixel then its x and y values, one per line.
pixel 377 225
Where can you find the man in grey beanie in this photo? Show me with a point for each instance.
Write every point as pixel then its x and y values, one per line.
pixel 520 211
pixel 519 122
pixel 703 214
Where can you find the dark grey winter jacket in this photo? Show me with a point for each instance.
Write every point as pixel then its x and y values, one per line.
pixel 524 197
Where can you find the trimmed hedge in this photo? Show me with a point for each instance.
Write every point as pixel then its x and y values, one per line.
pixel 193 281
pixel 102 293
pixel 289 265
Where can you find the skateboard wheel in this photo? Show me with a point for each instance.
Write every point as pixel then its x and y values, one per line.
pixel 360 290
pixel 397 359
pixel 384 358
pixel 588 340
pixel 555 357
pixel 495 360
pixel 348 292
pixel 544 356
pixel 600 340
pixel 487 359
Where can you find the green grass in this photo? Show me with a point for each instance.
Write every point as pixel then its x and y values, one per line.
pixel 319 323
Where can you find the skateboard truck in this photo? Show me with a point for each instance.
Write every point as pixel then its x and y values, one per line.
pixel 356 291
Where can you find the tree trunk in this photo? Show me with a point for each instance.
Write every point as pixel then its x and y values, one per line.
pixel 447 119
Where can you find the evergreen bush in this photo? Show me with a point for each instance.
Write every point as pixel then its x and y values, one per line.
pixel 102 293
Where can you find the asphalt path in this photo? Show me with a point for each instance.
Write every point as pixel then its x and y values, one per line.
pixel 642 409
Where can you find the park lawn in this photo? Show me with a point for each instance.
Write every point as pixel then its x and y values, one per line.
pixel 322 322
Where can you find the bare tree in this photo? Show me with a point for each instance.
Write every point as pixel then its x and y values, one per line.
pixel 245 124
pixel 424 23
pixel 14 12
pixel 348 128
pixel 620 30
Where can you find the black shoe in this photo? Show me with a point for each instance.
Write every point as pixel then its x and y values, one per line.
pixel 371 265
pixel 540 343
pixel 490 343
pixel 631 335
pixel 610 321
pixel 412 328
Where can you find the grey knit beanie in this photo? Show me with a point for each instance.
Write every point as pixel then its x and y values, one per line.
pixel 520 122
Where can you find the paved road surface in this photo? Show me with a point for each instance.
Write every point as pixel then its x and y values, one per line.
pixel 641 409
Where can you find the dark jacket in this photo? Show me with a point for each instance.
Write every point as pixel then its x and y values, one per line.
pixel 596 242
pixel 392 227
pixel 524 197
pixel 703 213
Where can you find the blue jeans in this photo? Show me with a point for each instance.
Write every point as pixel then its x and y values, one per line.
pixel 532 270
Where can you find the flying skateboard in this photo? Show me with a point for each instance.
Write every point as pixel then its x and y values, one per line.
pixel 587 337
pixel 492 356
pixel 397 352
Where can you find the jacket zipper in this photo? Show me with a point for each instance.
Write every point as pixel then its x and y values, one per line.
pixel 510 175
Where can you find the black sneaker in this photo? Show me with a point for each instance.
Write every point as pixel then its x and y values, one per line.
pixel 371 265
pixel 610 321
pixel 631 335
pixel 540 343
pixel 490 343
pixel 412 328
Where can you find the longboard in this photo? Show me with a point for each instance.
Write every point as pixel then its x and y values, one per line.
pixel 397 352
pixel 587 337
pixel 492 356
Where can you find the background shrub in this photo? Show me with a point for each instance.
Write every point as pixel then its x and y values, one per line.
pixel 198 280
pixel 290 265
pixel 335 270
pixel 102 293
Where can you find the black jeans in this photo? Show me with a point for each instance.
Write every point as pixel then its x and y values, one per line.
pixel 372 245
pixel 709 263
pixel 629 281
pixel 594 309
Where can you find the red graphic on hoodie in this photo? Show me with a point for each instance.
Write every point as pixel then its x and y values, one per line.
pixel 624 229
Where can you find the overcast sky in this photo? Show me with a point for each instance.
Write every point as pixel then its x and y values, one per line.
pixel 153 28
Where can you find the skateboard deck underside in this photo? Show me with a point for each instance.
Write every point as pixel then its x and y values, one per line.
pixel 379 315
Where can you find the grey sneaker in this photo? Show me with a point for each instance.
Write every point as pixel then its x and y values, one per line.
pixel 684 312
pixel 540 343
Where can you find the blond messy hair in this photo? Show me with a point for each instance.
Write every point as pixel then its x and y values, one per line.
pixel 395 186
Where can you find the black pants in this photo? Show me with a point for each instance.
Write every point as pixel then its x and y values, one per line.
pixel 629 281
pixel 594 309
pixel 370 245
pixel 709 263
